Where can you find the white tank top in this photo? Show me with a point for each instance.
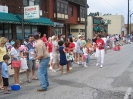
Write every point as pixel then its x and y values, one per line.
pixel 85 51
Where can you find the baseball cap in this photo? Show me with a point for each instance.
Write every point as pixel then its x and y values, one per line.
pixel 35 34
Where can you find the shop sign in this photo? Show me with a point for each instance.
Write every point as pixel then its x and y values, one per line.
pixel 4 9
pixel 32 12
pixel 56 24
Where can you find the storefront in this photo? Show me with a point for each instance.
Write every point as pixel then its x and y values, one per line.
pixel 58 28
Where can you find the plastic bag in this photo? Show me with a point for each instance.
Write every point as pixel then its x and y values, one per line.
pixel 24 64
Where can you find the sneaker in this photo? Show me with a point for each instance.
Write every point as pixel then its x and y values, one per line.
pixel 70 68
pixel 85 66
pixel 97 64
pixel 41 90
pixel 53 70
pixel 50 68
pixel 101 66
pixel 58 69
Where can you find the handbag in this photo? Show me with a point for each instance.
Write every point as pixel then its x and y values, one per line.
pixel 24 64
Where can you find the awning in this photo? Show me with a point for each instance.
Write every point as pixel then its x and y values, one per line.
pixel 40 21
pixel 98 29
pixel 105 30
pixel 8 18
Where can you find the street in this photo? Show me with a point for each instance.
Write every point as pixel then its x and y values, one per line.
pixel 110 82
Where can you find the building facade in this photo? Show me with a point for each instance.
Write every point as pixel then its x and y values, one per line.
pixel 95 26
pixel 117 25
pixel 63 13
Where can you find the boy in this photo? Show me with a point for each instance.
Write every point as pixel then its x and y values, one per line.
pixel 5 74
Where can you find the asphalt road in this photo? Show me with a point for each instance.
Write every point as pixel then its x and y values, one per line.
pixel 110 82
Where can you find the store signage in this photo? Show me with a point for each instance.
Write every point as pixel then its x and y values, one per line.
pixel 32 12
pixel 4 9
pixel 56 24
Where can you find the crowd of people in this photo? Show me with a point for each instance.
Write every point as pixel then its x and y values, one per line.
pixel 54 53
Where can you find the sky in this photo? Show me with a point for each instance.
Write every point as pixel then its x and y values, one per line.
pixel 111 6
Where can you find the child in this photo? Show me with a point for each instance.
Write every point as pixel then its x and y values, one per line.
pixel 63 60
pixel 85 51
pixel 5 74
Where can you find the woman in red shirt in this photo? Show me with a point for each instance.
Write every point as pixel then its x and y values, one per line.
pixel 71 48
pixel 100 51
pixel 49 49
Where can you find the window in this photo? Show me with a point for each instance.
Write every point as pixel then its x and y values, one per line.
pixel 66 9
pixel 58 6
pixel 27 31
pixel 74 30
pixel 82 30
pixel 62 7
pixel 82 12
pixel 31 2
pixel 26 2
pixel 71 11
pixel 5 30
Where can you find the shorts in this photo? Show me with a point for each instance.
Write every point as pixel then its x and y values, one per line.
pixel 51 57
pixel 16 63
pixel 31 64
pixel 5 82
pixel 85 56
pixel 55 58
pixel 79 51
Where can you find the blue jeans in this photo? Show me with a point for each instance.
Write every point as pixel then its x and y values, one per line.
pixel 43 74
pixel 88 59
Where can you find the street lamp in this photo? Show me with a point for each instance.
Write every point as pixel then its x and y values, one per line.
pixel 130 22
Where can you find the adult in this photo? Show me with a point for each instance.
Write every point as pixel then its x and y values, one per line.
pixel 83 41
pixel 75 53
pixel 30 59
pixel 79 49
pixel 44 38
pixel 55 53
pixel 49 49
pixel 71 48
pixel 100 51
pixel 3 41
pixel 15 58
pixel 105 42
pixel 43 56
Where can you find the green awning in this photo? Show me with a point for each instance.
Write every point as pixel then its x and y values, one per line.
pixel 40 21
pixel 98 29
pixel 8 18
pixel 105 30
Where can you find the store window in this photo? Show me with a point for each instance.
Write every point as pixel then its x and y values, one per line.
pixel 57 31
pixel 26 2
pixel 74 30
pixel 66 9
pixel 7 31
pixel 28 30
pixel 71 10
pixel 1 29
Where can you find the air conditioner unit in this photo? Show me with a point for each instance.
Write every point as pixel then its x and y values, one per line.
pixel 31 0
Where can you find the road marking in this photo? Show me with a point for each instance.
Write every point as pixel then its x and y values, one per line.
pixel 128 92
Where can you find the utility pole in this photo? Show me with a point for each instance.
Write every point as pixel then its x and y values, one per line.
pixel 128 19
pixel 86 19
pixel 131 22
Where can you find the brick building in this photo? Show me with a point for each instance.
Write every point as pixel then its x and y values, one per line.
pixel 63 13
